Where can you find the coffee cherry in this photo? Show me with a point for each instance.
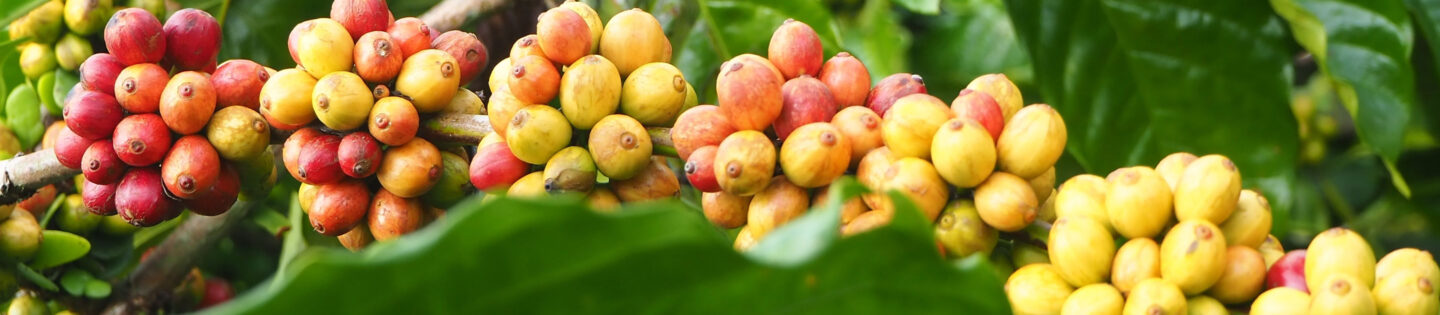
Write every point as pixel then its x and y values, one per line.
pixel 621 147
pixel 342 101
pixel 917 180
pixel 654 182
pixel 1249 224
pixel 564 35
pixel 101 165
pixel 359 155
pixel 430 78
pixel 92 115
pixel 187 102
pixel 454 184
pixel 1081 250
pixel 805 100
pixel 795 49
pixel 847 79
pixel 141 140
pixel 1096 298
pixel 982 108
pixel 633 38
pixel 1006 202
pixel 1406 292
pixel 356 239
pixel 1281 301
pixel 748 89
pixel 1204 305
pixel 377 57
pixel 494 166
pixel 1032 141
pixel 70 148
pixel 238 82
pixel 725 210
pixel 238 133
pixel 871 173
pixel 1038 289
pixel 1083 196
pixel 324 46
pixel 1172 167
pixel 1338 251
pixel 536 133
pixel 99 71
pixel 815 155
pixel 411 169
pixel 779 202
pixel 998 86
pixel 700 126
pixel 592 22
pixel 700 169
pixel 218 199
pixel 468 51
pixel 1137 260
pixel 570 170
pixel 285 98
pixel 1289 272
pixel 964 154
pixel 1341 294
pixel 339 206
pixel 411 35
pixel 192 39
pixel 100 199
pixel 1155 296
pixel 361 16
pixel 909 128
pixel 653 94
pixel 1243 278
pixel 961 231
pixel 891 89
pixel 294 145
pixel 1192 256
pixel 1137 201
pixel 319 161
pixel 191 168
pixel 141 200
pixel 392 216
pixel 135 36
pixel 1208 190
pixel 744 163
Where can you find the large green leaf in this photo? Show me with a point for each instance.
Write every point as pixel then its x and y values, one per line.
pixel 874 35
pixel 257 29
pixel 968 39
pixel 556 256
pixel 1136 80
pixel 14 9
pixel 1427 17
pixel 1364 46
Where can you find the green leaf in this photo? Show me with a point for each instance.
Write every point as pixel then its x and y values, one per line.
pixel 921 6
pixel 1137 80
pixel 557 256
pixel 22 114
pixel 64 81
pixel 75 280
pixel 34 277
pixel 968 39
pixel 294 242
pixel 1364 46
pixel 58 248
pixel 11 10
pixel 47 83
pixel 97 289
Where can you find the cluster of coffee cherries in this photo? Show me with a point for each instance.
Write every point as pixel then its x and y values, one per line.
pixel 1214 250
pixel 355 101
pixel 829 120
pixel 577 78
pixel 150 143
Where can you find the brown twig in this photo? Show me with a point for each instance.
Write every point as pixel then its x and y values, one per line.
pixel 149 285
pixel 451 14
pixel 22 175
